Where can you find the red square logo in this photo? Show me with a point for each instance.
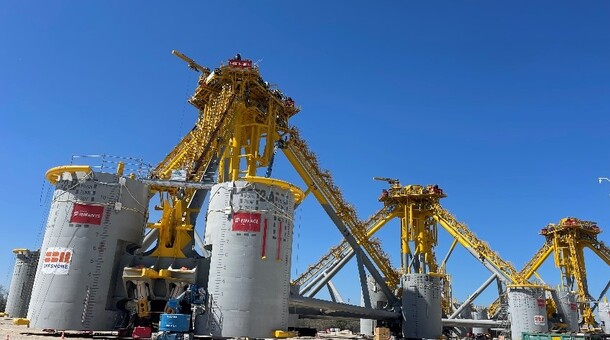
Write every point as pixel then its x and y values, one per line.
pixel 87 214
pixel 248 222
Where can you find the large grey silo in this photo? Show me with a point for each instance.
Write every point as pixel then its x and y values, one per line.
pixel 421 306
pixel 378 301
pixel 93 219
pixel 527 308
pixel 22 282
pixel 569 308
pixel 249 228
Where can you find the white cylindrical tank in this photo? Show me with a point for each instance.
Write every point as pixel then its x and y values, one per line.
pixel 421 306
pixel 604 316
pixel 569 309
pixel 249 227
pixel 527 308
pixel 22 282
pixel 378 301
pixel 94 218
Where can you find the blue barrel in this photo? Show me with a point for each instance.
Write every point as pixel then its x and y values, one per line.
pixel 174 323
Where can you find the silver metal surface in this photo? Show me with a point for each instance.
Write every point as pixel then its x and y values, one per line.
pixel 93 220
pixel 604 316
pixel 527 308
pixel 421 306
pixel 480 313
pixel 328 308
pixel 378 300
pixel 22 282
pixel 249 228
pixel 569 308
pixel 472 323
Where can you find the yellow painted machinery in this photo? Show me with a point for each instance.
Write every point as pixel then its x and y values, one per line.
pixel 567 240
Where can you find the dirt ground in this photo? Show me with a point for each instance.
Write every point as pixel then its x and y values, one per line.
pixel 14 332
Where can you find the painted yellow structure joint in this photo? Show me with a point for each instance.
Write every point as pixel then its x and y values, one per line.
pixel 21 322
pixel 281 334
pixel 297 193
pixel 54 174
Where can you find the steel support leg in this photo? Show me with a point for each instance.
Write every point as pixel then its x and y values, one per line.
pixel 334 293
pixel 473 296
pixel 318 283
pixel 366 297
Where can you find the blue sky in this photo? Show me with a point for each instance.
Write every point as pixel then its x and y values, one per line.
pixel 503 104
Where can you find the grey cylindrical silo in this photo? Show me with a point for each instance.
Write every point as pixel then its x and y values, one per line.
pixel 93 219
pixel 527 308
pixel 378 301
pixel 249 228
pixel 569 309
pixel 421 306
pixel 480 313
pixel 22 282
pixel 604 316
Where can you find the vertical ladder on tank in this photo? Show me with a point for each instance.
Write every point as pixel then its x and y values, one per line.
pixel 214 317
pixel 93 290
pixel 503 317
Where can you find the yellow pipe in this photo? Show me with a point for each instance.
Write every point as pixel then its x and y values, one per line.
pixel 120 168
pixel 53 174
pixel 296 192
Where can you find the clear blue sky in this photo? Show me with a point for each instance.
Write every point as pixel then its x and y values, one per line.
pixel 503 104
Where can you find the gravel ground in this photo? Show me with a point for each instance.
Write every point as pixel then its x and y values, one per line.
pixel 14 332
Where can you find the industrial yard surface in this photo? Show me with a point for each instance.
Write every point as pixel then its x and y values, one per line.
pixel 14 332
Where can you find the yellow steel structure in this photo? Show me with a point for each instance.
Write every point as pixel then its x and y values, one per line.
pixel 239 115
pixel 320 183
pixel 567 240
pixel 419 211
pixel 241 120
pixel 372 225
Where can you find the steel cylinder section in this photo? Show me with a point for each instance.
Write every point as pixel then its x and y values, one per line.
pixel 604 316
pixel 569 308
pixel 378 300
pixel 480 313
pixel 421 306
pixel 463 332
pixel 249 229
pixel 527 308
pixel 93 220
pixel 22 283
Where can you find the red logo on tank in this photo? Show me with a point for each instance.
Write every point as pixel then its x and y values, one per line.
pixel 248 222
pixel 87 214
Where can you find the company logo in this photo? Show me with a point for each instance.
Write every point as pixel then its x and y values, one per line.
pixel 539 320
pixel 87 214
pixel 248 222
pixel 57 260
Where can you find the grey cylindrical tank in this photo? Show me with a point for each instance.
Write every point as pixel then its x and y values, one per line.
pixel 569 309
pixel 22 282
pixel 527 308
pixel 604 316
pixel 249 228
pixel 480 313
pixel 378 301
pixel 421 306
pixel 93 219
